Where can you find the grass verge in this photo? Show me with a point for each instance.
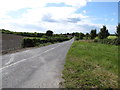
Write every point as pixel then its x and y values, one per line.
pixel 91 65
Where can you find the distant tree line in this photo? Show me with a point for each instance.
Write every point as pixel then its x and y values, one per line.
pixel 36 39
pixel 49 37
pixel 49 33
pixel 103 33
pixel 27 34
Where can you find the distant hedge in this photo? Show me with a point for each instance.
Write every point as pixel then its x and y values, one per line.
pixel 32 42
pixel 108 41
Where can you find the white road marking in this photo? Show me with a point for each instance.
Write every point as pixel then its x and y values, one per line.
pixel 51 49
pixel 11 59
pixel 26 59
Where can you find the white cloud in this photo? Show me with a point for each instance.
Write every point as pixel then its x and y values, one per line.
pixel 105 0
pixel 40 18
pixel 111 28
pixel 9 5
pixel 84 11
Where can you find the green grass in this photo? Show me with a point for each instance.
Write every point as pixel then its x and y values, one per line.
pixel 109 37
pixel 91 65
pixel 112 37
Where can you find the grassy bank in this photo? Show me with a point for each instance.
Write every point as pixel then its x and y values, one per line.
pixel 91 65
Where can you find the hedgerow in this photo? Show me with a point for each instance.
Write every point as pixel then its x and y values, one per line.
pixel 115 41
pixel 32 42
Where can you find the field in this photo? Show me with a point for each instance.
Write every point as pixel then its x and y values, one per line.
pixel 91 65
pixel 111 37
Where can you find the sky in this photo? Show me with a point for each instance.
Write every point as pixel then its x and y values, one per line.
pixel 60 16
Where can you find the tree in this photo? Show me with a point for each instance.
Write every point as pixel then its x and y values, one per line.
pixel 118 31
pixel 81 35
pixel 76 34
pixel 49 33
pixel 73 34
pixel 93 34
pixel 87 35
pixel 103 33
pixel 68 34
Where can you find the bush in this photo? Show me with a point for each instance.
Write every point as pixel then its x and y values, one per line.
pixel 103 33
pixel 32 42
pixel 108 41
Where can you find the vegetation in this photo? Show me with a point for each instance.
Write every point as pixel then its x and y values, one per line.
pixel 115 41
pixel 118 31
pixel 87 35
pixel 103 33
pixel 49 33
pixel 88 65
pixel 38 39
pixel 32 42
pixel 93 34
pixel 26 34
pixel 91 65
pixel 112 37
pixel 79 36
pixel 103 36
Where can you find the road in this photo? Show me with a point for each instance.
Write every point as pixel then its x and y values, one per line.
pixel 35 68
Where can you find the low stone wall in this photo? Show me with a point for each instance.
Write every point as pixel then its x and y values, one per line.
pixel 10 42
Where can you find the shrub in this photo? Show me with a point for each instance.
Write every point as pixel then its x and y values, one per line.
pixel 108 41
pixel 103 33
pixel 93 34
pixel 32 42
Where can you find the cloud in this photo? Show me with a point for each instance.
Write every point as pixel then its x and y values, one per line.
pixel 57 5
pixel 48 18
pixel 105 0
pixel 74 20
pixel 84 11
pixel 41 15
pixel 12 5
pixel 111 28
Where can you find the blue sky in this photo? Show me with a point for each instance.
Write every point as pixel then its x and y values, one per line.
pixel 18 13
pixel 61 16
pixel 104 11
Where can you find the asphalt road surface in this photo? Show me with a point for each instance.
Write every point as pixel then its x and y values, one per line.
pixel 35 68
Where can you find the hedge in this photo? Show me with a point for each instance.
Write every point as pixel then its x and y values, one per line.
pixel 32 42
pixel 108 41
